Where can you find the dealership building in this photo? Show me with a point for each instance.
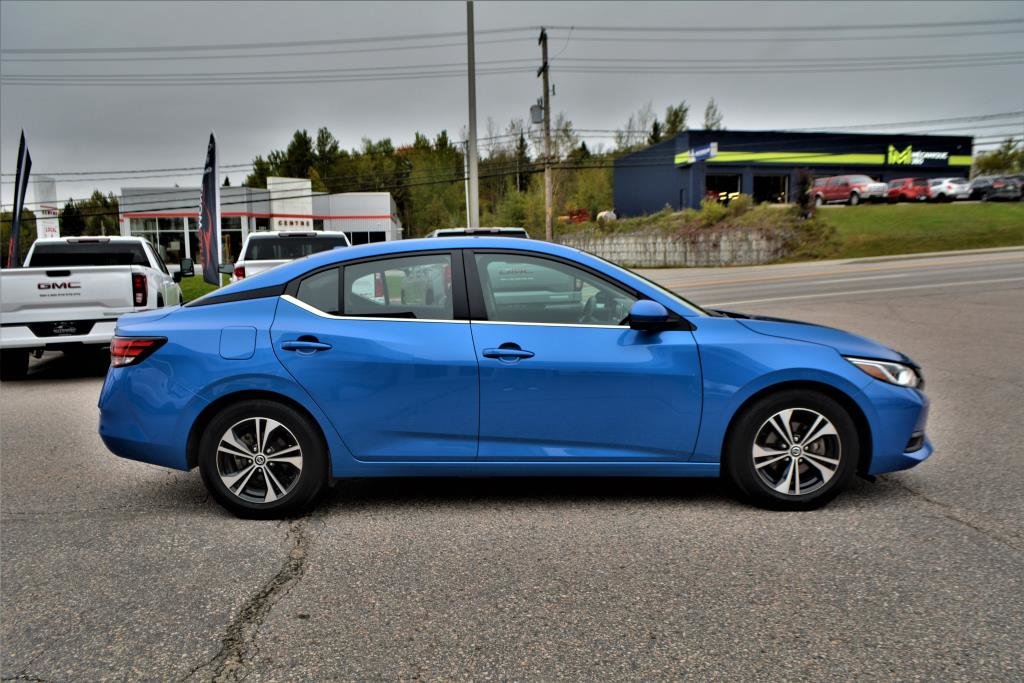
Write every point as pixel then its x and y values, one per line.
pixel 767 164
pixel 169 216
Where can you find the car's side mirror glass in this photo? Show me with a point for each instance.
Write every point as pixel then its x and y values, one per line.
pixel 226 268
pixel 648 316
pixel 187 268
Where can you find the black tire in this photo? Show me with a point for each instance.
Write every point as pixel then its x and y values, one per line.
pixel 302 490
pixel 13 365
pixel 854 199
pixel 819 200
pixel 738 459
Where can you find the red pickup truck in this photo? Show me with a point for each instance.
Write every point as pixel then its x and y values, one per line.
pixel 848 189
pixel 909 190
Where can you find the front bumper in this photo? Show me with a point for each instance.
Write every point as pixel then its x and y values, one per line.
pixel 900 415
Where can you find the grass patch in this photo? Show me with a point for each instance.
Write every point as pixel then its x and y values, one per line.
pixel 885 230
pixel 194 287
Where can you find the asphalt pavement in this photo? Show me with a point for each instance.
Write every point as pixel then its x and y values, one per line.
pixel 114 570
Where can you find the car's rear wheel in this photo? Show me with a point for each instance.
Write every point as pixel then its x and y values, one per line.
pixel 819 200
pixel 794 450
pixel 854 199
pixel 13 364
pixel 263 459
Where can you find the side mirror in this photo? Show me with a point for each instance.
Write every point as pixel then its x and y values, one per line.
pixel 187 268
pixel 648 316
pixel 176 276
pixel 226 268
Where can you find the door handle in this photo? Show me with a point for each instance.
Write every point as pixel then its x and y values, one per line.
pixel 305 346
pixel 507 354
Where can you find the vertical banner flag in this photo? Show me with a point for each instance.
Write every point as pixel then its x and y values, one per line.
pixel 209 216
pixel 20 185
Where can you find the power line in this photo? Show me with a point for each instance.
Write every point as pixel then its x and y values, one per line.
pixel 791 28
pixel 162 58
pixel 220 47
pixel 790 39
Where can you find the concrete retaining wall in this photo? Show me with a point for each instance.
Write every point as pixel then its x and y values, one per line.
pixel 708 247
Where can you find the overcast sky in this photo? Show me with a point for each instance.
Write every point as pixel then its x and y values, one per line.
pixel 146 126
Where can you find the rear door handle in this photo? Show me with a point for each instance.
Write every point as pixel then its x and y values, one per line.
pixel 507 354
pixel 303 346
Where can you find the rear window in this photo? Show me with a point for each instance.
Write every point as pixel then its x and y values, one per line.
pixel 287 248
pixel 88 254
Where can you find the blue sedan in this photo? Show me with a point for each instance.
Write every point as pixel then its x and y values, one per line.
pixel 489 356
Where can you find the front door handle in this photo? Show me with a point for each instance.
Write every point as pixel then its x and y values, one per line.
pixel 507 354
pixel 305 346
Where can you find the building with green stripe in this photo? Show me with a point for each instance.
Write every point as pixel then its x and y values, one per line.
pixel 767 164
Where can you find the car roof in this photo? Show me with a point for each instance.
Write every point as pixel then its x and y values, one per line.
pixel 263 234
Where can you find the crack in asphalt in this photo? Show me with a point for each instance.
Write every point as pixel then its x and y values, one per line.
pixel 953 513
pixel 239 647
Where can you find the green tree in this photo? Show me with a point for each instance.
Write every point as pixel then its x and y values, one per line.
pixel 675 119
pixel 227 181
pixel 656 133
pixel 72 224
pixel 713 116
pixel 26 237
pixel 1006 159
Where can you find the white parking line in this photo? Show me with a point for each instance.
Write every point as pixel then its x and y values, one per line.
pixel 864 291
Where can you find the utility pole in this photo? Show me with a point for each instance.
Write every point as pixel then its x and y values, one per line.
pixel 549 232
pixel 473 189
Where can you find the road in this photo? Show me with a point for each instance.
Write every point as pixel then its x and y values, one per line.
pixel 117 570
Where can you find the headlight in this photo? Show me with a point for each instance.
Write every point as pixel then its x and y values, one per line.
pixel 893 373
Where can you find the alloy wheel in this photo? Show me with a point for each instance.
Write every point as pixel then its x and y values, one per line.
pixel 259 460
pixel 796 451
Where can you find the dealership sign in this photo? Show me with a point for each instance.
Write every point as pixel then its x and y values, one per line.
pixel 704 153
pixel 909 157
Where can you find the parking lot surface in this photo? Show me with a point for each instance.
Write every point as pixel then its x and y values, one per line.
pixel 118 570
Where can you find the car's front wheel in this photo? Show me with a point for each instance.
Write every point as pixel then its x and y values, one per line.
pixel 792 450
pixel 263 459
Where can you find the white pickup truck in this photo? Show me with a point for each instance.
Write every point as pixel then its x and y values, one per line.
pixel 71 291
pixel 265 250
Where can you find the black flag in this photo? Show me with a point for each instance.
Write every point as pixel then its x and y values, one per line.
pixel 20 185
pixel 209 216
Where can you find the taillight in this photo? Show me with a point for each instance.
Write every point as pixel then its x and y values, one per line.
pixel 132 350
pixel 447 277
pixel 139 289
pixel 378 285
pixel 239 272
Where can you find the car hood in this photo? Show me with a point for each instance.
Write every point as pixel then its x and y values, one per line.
pixel 846 343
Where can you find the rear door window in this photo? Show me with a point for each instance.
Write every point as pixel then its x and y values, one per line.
pixel 321 291
pixel 414 287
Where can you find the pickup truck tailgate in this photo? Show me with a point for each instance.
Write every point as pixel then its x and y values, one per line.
pixel 37 295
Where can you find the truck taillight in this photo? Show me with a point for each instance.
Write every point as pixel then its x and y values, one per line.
pixel 140 289
pixel 239 272
pixel 378 285
pixel 133 350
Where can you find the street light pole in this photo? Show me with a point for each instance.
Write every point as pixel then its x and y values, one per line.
pixel 473 189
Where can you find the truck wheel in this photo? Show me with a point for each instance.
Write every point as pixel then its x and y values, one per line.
pixel 818 201
pixel 13 365
pixel 854 199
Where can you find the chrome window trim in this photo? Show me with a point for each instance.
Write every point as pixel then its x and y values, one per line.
pixel 510 322
pixel 316 311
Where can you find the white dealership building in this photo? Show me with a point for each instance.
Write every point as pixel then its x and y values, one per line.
pixel 168 216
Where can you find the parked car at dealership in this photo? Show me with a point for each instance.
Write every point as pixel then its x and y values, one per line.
pixel 71 291
pixel 543 361
pixel 909 190
pixel 265 250
pixel 948 189
pixel 846 189
pixel 995 188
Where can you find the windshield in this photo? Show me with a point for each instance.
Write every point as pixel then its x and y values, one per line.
pixel 288 248
pixel 88 254
pixel 860 179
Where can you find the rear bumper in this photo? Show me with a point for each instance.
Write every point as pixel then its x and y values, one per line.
pixel 21 337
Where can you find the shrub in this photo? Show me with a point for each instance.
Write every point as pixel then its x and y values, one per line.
pixel 711 213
